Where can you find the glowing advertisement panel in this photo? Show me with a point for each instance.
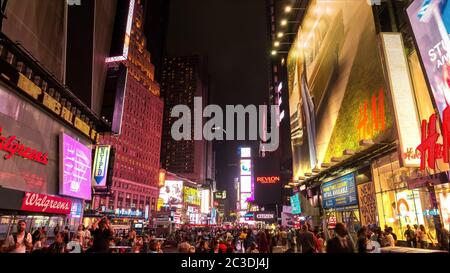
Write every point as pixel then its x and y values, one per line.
pixel 246 184
pixel 100 168
pixel 402 96
pixel 430 22
pixel 75 168
pixel 246 167
pixel 295 204
pixel 172 193
pixel 243 201
pixel 246 152
pixel 340 192
pixel 205 201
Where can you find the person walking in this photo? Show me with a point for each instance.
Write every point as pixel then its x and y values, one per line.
pixel 249 239
pixel 341 243
pixel 409 236
pixel 19 242
pixel 262 242
pixel 425 238
pixel 306 240
pixel 102 236
pixel 58 245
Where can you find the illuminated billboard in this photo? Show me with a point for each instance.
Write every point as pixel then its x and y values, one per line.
pixel 246 152
pixel 295 204
pixel 337 91
pixel 430 22
pixel 246 167
pixel 191 196
pixel 246 184
pixel 268 186
pixel 244 200
pixel 172 193
pixel 205 205
pixel 75 168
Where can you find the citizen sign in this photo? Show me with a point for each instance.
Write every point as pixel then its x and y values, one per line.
pixel 46 203
pixel 265 216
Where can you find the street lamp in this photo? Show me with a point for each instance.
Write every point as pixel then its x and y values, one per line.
pixel 288 9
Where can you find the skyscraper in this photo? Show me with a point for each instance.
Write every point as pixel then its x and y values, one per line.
pixel 184 78
pixel 134 190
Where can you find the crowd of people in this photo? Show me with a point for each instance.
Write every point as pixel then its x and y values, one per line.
pixel 101 238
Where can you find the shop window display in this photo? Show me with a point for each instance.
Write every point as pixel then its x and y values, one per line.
pixel 397 205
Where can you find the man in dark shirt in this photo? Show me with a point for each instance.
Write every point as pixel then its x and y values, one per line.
pixel 341 243
pixel 306 240
pixel 102 236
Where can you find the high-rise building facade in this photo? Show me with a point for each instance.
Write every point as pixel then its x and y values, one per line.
pixel 134 189
pixel 184 78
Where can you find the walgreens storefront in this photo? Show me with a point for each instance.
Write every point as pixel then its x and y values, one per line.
pixel 45 167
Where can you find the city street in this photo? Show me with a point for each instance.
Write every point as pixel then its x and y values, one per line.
pixel 224 127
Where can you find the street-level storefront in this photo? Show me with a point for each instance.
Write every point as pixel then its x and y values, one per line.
pixel 406 196
pixel 45 147
pixel 38 210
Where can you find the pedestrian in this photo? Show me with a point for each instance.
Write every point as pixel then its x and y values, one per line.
pixel 444 239
pixel 155 247
pixel 410 237
pixel 75 246
pixel 321 242
pixel 306 240
pixel 56 230
pixel 19 242
pixel 41 245
pixel 416 236
pixel 253 248
pixel 36 235
pixel 362 240
pixel 184 246
pixel 390 241
pixel 58 245
pixel 425 238
pixel 262 242
pixel 341 243
pixel 66 235
pixel 102 236
pixel 249 239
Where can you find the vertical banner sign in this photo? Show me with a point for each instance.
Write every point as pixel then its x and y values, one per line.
pixel 100 170
pixel 367 204
pixel 402 96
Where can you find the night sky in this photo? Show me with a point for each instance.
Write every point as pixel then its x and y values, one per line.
pixel 233 35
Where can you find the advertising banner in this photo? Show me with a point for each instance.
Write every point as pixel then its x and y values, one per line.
pixel 172 193
pixel 367 204
pixel 430 22
pixel 340 192
pixel 268 185
pixel 46 204
pixel 75 168
pixel 337 90
pixel 100 167
pixel 191 196
pixel 295 204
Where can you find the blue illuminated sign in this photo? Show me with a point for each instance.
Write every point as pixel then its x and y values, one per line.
pixel 340 192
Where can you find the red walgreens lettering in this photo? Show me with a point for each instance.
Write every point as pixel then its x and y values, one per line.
pixel 13 147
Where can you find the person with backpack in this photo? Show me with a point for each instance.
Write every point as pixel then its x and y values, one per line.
pixel 19 242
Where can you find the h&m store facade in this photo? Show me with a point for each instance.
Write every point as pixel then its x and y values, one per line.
pixel 375 166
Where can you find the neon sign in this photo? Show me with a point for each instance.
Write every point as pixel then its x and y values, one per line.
pixel 268 179
pixel 13 147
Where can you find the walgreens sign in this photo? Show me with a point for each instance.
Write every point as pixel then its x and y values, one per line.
pixel 12 146
pixel 45 203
